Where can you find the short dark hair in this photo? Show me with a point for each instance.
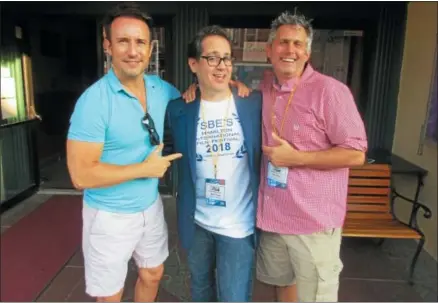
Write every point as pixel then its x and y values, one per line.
pixel 195 46
pixel 126 9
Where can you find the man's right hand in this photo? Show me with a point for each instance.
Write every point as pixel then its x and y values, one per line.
pixel 243 91
pixel 155 166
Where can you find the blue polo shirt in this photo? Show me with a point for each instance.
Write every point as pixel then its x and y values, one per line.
pixel 107 113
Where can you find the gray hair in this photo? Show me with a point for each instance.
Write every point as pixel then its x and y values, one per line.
pixel 287 18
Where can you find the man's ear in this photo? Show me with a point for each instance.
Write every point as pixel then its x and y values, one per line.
pixel 107 46
pixel 193 64
pixel 268 49
pixel 308 56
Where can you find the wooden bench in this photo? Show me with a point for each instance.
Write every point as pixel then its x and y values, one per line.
pixel 370 205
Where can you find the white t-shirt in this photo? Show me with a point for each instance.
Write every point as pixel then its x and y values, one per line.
pixel 236 218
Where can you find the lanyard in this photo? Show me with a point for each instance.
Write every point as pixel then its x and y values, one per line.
pixel 273 96
pixel 215 155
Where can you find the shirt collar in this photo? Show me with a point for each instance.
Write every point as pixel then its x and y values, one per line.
pixel 308 71
pixel 117 86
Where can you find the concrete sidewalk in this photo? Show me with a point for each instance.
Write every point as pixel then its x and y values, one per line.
pixel 371 273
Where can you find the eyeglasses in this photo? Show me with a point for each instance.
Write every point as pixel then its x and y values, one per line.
pixel 216 61
pixel 150 126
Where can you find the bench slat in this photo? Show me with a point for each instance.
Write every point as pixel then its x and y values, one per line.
pixel 370 173
pixel 374 224
pixel 381 167
pixel 378 229
pixel 368 216
pixel 370 208
pixel 351 199
pixel 382 234
pixel 369 182
pixel 383 191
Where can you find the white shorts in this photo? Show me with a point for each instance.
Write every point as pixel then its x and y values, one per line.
pixel 109 240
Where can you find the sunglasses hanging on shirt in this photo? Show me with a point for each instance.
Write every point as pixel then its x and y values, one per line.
pixel 148 122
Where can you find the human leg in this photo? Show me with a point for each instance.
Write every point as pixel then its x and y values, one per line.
pixel 202 264
pixel 274 267
pixel 234 263
pixel 317 264
pixel 286 293
pixel 151 252
pixel 108 241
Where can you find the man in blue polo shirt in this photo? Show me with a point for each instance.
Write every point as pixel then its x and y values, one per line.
pixel 114 154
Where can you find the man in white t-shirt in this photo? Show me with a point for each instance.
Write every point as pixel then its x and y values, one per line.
pixel 218 176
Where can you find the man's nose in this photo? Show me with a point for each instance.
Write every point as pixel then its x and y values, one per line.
pixel 291 47
pixel 132 49
pixel 221 65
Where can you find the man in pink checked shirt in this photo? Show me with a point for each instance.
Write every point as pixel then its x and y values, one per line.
pixel 312 134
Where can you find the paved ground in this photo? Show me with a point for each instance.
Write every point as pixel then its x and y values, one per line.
pixel 370 274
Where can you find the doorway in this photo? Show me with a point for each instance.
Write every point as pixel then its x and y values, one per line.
pixel 64 60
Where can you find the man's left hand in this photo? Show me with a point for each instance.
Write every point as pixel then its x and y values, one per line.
pixel 282 155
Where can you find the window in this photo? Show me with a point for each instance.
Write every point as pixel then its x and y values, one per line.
pixel 13 104
pixel 336 53
pixel 157 62
pixel 8 95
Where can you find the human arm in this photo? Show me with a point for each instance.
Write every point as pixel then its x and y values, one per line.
pixel 242 90
pixel 335 157
pixel 285 155
pixel 85 144
pixel 344 129
pixel 87 171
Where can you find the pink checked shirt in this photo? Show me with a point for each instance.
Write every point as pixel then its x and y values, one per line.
pixel 322 115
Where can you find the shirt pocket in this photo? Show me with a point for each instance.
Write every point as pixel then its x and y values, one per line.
pixel 305 130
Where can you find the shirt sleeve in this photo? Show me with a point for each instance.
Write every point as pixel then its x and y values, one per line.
pixel 89 119
pixel 172 91
pixel 344 124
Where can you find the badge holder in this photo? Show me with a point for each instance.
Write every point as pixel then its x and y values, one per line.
pixel 215 192
pixel 277 176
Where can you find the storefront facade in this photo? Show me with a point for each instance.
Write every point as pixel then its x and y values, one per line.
pixel 365 38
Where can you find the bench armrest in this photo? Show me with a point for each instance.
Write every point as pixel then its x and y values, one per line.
pixel 427 213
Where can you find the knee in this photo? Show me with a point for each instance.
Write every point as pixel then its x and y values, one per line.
pixel 151 276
